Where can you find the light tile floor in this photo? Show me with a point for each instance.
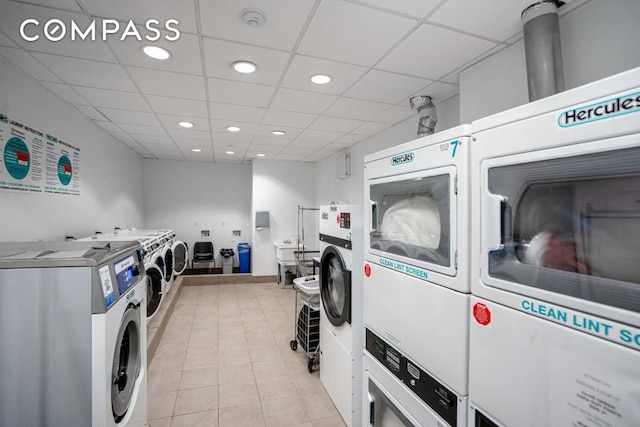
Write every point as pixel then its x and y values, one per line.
pixel 224 360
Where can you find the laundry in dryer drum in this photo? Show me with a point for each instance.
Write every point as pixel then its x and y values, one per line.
pixel 415 221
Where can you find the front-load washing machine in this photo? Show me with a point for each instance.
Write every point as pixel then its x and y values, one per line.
pixel 416 283
pixel 177 249
pixel 341 339
pixel 555 312
pixel 72 324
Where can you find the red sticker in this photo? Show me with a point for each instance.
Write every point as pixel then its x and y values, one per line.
pixel 338 219
pixel 482 314
pixel 367 270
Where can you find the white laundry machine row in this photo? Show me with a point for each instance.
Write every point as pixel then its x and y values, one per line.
pixel 416 272
pixel 555 312
pixel 72 324
pixel 341 332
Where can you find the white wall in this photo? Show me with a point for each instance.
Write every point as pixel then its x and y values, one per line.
pixel 110 172
pixel 280 187
pixel 598 39
pixel 192 196
pixel 330 188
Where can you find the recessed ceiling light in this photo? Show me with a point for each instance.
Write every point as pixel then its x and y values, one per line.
pixel 233 128
pixel 196 150
pixel 229 152
pixel 244 67
pixel 187 125
pixel 156 52
pixel 320 79
pixel 278 132
pixel 261 155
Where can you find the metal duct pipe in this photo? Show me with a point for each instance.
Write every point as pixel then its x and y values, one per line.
pixel 427 113
pixel 542 49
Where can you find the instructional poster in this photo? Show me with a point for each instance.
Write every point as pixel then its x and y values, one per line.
pixel 21 157
pixel 63 167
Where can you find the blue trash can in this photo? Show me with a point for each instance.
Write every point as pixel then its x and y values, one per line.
pixel 244 257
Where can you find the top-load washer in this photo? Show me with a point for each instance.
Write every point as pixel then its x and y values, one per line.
pixel 416 284
pixel 341 339
pixel 72 324
pixel 555 312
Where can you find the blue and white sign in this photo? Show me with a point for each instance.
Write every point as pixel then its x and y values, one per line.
pixel 403 158
pixel 407 269
pixel 21 156
pixel 107 286
pixel 625 104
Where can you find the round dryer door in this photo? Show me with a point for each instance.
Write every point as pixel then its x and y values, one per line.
pixel 335 287
pixel 126 363
pixel 158 259
pixel 168 264
pixel 154 280
pixel 180 257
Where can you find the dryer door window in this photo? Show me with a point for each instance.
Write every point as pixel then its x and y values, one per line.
pixel 168 265
pixel 154 289
pixel 126 363
pixel 382 411
pixel 180 257
pixel 335 287
pixel 568 225
pixel 411 218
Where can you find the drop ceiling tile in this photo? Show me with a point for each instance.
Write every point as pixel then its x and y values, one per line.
pixel 350 139
pixel 239 113
pixel 270 142
pixel 303 67
pixel 191 134
pixel 90 112
pixel 113 99
pixel 352 33
pixel 438 92
pixel 29 64
pixel 177 106
pixel 198 157
pixel 350 108
pixel 331 149
pixel 498 21
pixel 81 72
pixel 121 136
pixel 315 158
pixel 371 128
pixel 165 83
pixel 335 124
pixel 5 41
pixel 231 146
pixel 299 151
pixel 303 143
pixel 290 157
pixel 141 11
pixel 288 118
pixel 221 126
pixel 108 126
pixel 386 87
pixel 170 121
pixel 193 143
pixel 232 92
pixel 65 92
pixel 221 155
pixel 416 8
pixel 285 19
pixel 162 148
pixel 453 78
pixel 142 130
pixel 441 52
pixel 185 54
pixel 204 150
pixel 267 149
pixel 320 135
pixel 140 118
pixel 13 14
pixel 219 55
pixel 150 139
pixel 395 114
pixel 301 101
pixel 231 138
pixel 290 133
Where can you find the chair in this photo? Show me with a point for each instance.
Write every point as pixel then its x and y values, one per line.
pixel 203 252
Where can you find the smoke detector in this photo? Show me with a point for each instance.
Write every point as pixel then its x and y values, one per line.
pixel 253 17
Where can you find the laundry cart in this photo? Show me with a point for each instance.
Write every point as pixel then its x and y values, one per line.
pixel 307 318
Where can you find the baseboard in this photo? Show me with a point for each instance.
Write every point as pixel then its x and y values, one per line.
pixel 224 279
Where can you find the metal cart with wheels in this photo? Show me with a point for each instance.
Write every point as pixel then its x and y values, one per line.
pixel 307 318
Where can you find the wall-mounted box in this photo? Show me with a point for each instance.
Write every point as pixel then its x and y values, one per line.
pixel 262 219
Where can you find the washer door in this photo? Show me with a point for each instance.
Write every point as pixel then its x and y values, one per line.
pixel 168 264
pixel 154 280
pixel 126 363
pixel 335 287
pixel 158 259
pixel 180 257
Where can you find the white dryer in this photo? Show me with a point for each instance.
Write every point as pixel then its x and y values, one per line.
pixel 555 313
pixel 341 339
pixel 416 273
pixel 72 324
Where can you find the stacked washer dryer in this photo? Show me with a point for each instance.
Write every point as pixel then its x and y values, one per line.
pixel 416 282
pixel 555 312
pixel 72 327
pixel 341 339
